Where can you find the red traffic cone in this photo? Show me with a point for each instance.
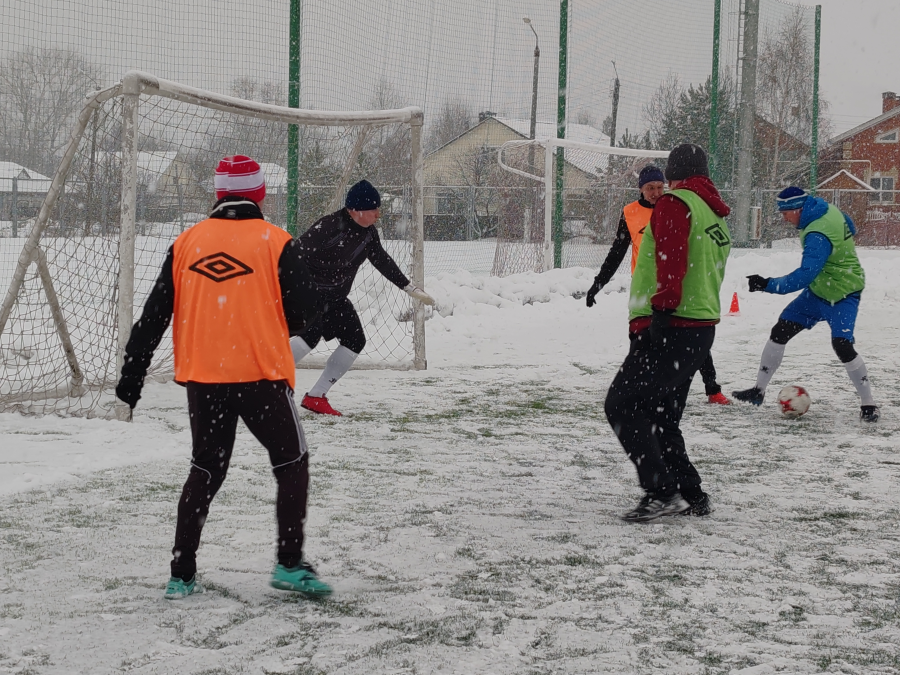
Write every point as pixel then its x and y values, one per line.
pixel 735 307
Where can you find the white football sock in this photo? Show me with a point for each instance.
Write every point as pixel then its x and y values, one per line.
pixel 335 368
pixel 299 348
pixel 768 364
pixel 859 376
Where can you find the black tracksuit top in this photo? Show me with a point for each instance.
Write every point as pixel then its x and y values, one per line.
pixel 335 247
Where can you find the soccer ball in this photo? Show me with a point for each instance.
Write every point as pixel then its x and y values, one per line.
pixel 794 401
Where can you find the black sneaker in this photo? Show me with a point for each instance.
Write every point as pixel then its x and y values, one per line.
pixel 753 395
pixel 699 506
pixel 868 413
pixel 652 507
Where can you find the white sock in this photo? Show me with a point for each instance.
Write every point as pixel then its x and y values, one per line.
pixel 335 368
pixel 859 376
pixel 768 364
pixel 299 348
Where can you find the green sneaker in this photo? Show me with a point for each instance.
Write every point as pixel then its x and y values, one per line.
pixel 300 579
pixel 177 588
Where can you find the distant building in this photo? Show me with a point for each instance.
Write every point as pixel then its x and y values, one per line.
pixel 22 191
pixel 166 184
pixel 863 169
pixel 467 194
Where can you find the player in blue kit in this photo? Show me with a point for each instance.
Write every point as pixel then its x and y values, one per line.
pixel 831 280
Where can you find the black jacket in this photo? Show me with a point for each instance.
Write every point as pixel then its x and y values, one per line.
pixel 335 247
pixel 619 248
pixel 300 298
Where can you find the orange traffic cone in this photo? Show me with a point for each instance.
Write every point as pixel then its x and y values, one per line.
pixel 735 307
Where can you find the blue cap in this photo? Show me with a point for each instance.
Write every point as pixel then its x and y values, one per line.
pixel 363 197
pixel 650 174
pixel 791 198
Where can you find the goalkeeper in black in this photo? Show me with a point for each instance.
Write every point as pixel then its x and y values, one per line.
pixel 333 250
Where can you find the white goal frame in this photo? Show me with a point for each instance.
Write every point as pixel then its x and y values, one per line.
pixel 550 146
pixel 136 84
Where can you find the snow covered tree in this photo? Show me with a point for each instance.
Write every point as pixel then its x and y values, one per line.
pixel 678 115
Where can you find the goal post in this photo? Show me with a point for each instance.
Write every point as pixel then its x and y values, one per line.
pixel 590 164
pixel 136 171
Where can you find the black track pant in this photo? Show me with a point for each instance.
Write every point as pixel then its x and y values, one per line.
pixel 708 373
pixel 645 403
pixel 339 320
pixel 268 410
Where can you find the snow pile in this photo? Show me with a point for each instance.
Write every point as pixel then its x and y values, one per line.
pixel 462 293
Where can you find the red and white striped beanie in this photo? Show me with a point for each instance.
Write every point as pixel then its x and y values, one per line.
pixel 241 176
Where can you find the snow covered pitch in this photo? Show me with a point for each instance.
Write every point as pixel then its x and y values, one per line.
pixel 468 515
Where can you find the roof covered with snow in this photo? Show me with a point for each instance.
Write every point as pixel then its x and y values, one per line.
pixel 29 180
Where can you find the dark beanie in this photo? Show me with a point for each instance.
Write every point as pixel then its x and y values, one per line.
pixel 650 174
pixel 686 160
pixel 363 197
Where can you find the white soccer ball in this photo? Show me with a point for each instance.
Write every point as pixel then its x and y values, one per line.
pixel 794 401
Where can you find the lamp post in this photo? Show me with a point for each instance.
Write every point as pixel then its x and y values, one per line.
pixel 534 90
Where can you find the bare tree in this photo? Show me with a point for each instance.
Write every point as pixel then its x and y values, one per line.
pixel 662 109
pixel 40 92
pixel 385 159
pixel 784 98
pixel 454 119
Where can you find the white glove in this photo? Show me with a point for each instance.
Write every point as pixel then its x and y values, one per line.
pixel 419 294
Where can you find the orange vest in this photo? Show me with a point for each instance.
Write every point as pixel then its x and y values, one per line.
pixel 229 323
pixel 637 218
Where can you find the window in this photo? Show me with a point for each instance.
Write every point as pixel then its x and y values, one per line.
pixel 882 183
pixel 892 136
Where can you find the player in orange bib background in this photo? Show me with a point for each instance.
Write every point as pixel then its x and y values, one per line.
pixel 634 220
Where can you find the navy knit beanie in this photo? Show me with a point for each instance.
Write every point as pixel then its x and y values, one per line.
pixel 791 198
pixel 686 160
pixel 650 174
pixel 363 197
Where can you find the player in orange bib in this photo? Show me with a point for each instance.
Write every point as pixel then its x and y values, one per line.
pixel 634 220
pixel 238 289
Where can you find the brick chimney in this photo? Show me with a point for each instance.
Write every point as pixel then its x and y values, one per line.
pixel 889 101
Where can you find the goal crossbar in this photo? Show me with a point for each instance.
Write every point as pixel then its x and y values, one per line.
pixel 550 146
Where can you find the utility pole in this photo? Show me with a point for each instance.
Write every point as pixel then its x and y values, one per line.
pixel 615 108
pixel 741 224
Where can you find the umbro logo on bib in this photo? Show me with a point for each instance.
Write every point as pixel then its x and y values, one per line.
pixel 718 235
pixel 220 267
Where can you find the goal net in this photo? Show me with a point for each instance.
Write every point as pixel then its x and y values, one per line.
pixel 137 171
pixel 543 226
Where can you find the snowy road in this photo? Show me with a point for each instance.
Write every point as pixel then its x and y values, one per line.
pixel 467 515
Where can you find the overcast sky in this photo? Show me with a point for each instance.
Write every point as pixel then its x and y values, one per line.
pixel 430 51
pixel 860 54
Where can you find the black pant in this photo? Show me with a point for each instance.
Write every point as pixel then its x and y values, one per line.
pixel 708 373
pixel 339 320
pixel 645 403
pixel 268 410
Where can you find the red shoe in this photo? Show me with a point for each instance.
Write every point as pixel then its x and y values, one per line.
pixel 720 398
pixel 320 404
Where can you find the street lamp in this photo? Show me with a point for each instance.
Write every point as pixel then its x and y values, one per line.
pixel 534 92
